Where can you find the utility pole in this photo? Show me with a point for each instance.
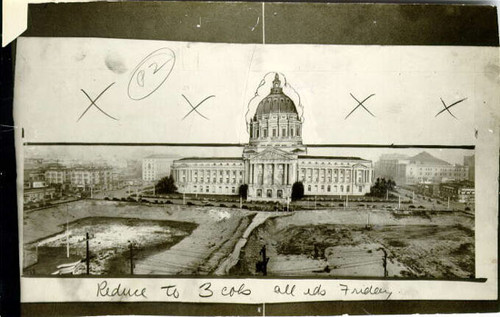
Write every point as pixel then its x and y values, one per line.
pixel 262 265
pixel 184 198
pixel 413 197
pixel 67 232
pixel 241 202
pixel 399 202
pixel 131 259
pixel 347 200
pixel 387 194
pixel 87 260
pixel 384 262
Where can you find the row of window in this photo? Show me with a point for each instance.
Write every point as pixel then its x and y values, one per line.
pixel 208 180
pixel 207 189
pixel 256 133
pixel 195 175
pixel 324 163
pixel 215 164
pixel 339 176
pixel 336 189
pixel 442 174
pixel 269 193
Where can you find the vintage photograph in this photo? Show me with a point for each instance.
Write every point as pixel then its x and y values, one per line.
pixel 234 171
pixel 253 158
pixel 271 207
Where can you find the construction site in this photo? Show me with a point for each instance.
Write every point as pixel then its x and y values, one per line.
pixel 99 237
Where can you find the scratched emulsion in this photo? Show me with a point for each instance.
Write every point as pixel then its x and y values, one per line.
pixel 115 63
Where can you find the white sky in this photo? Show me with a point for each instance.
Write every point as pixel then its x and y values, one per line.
pixel 408 83
pixel 454 156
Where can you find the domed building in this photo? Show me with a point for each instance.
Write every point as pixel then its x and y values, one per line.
pixel 274 160
pixel 276 121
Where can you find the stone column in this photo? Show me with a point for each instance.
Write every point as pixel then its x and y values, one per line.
pixel 252 173
pixel 263 174
pixel 286 174
pixel 273 173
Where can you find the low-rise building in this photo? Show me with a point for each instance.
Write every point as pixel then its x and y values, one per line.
pixel 463 192
pixel 39 194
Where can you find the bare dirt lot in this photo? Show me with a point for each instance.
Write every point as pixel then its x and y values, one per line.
pixel 216 231
pixel 205 240
pixel 110 239
pixel 338 243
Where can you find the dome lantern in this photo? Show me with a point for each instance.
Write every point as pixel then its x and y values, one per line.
pixel 276 101
pixel 276 85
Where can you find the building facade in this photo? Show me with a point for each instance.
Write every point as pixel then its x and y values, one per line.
pixel 39 194
pixel 273 160
pixel 418 169
pixel 81 177
pixel 154 167
pixel 463 191
pixel 469 161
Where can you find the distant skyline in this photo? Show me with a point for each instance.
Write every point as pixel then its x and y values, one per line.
pixel 123 153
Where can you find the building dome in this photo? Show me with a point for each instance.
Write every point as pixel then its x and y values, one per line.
pixel 276 101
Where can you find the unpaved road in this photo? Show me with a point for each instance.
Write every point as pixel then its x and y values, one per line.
pixel 234 257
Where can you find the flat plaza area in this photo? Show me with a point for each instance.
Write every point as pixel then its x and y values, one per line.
pixel 187 239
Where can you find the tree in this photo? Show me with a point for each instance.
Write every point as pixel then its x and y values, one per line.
pixel 243 191
pixel 166 185
pixel 381 186
pixel 297 191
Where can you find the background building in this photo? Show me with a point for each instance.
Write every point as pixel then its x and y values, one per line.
pixel 458 191
pixel 469 161
pixel 274 160
pixel 154 167
pixel 36 188
pixel 421 168
pixel 90 178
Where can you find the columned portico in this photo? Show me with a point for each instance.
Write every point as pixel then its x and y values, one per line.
pixel 273 177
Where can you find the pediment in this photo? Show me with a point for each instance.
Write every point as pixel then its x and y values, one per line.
pixel 361 166
pixel 273 154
